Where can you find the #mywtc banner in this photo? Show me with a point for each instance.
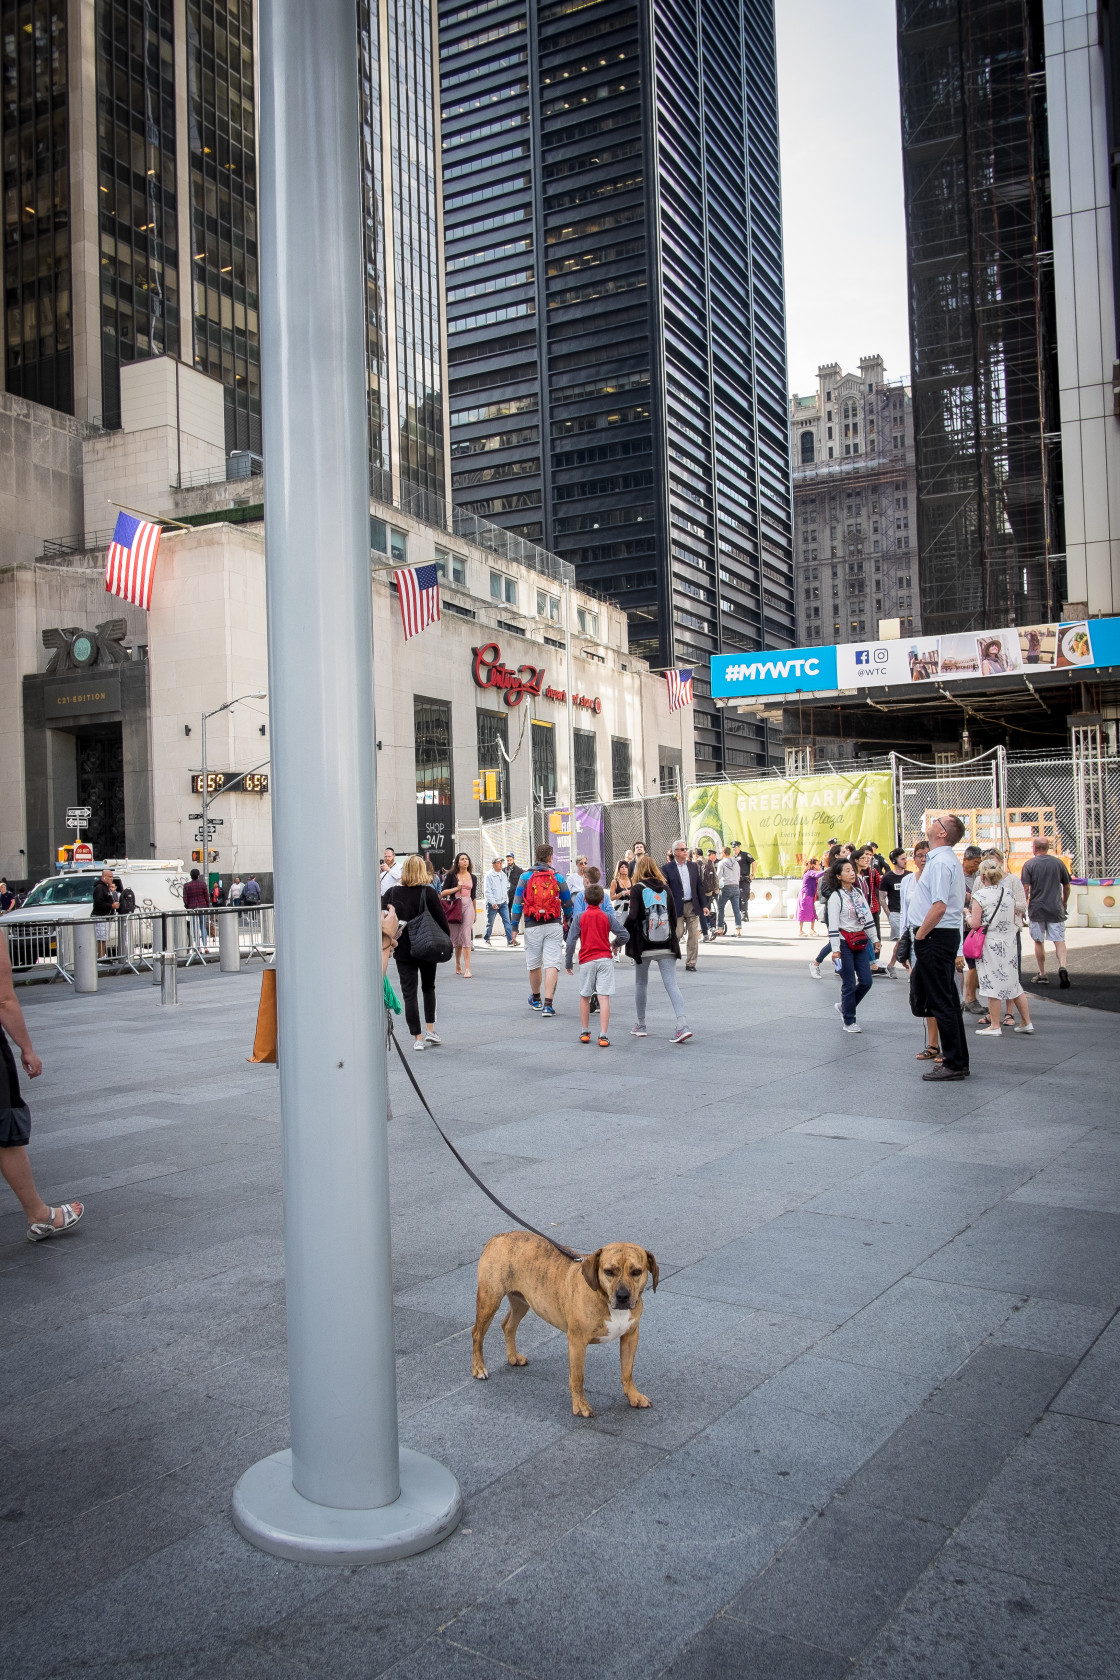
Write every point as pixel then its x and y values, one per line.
pixel 1082 645
pixel 785 823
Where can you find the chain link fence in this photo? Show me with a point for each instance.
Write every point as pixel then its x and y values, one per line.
pixel 487 841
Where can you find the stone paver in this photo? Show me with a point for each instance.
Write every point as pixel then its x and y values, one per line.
pixel 883 1357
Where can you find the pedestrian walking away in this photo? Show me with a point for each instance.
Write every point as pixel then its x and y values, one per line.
pixel 251 894
pixel 851 936
pixel 458 891
pixel 495 892
pixel 652 939
pixel 592 925
pixel 196 896
pixel 745 864
pixel 833 859
pixel 727 875
pixel 542 897
pixel 410 898
pixel 709 893
pixel 807 900
pixel 683 879
pixel 43 1221
pixel 937 905
pixel 1046 883
pixel 991 936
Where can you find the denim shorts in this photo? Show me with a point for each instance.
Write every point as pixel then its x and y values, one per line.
pixel 1055 932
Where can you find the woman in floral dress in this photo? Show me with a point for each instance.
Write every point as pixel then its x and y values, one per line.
pixel 993 908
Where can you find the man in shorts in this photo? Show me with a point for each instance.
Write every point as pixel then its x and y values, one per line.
pixel 43 1221
pixel 1046 883
pixel 592 925
pixel 543 899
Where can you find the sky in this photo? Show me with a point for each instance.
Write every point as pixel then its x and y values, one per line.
pixel 842 211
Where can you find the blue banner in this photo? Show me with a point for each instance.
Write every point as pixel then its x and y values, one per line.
pixel 793 671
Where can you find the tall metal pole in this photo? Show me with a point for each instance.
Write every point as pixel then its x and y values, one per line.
pixel 205 804
pixel 345 1491
pixel 571 704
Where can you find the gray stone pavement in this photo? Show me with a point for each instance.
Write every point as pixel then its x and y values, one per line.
pixel 884 1357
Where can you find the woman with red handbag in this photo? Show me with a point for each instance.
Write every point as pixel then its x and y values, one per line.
pixel 851 934
pixel 458 894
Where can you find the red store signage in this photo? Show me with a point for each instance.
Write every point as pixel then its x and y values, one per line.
pixel 489 672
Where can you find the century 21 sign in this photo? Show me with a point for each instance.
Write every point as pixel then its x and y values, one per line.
pixel 489 672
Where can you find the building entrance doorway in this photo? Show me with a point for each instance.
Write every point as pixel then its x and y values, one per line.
pixel 99 762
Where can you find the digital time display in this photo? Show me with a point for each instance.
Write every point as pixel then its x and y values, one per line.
pixel 233 781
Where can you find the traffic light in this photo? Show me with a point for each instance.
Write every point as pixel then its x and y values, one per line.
pixel 477 788
pixel 196 857
pixel 491 779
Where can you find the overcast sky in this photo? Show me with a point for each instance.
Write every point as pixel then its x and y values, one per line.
pixel 845 253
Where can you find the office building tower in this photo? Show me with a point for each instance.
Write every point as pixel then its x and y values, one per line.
pixel 616 357
pixel 128 134
pixel 854 501
pixel 982 315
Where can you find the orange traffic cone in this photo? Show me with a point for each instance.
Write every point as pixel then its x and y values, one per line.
pixel 264 1040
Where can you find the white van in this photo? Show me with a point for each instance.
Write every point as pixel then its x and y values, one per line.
pixel 68 896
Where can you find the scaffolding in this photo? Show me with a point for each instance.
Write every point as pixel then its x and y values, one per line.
pixel 982 312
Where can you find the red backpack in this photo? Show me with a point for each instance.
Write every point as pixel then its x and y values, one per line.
pixel 541 898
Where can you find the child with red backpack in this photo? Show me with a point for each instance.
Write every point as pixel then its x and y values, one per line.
pixel 592 926
pixel 543 899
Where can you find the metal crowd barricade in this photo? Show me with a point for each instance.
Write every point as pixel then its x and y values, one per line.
pixel 45 950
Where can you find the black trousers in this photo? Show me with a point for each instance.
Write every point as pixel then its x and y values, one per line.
pixel 408 970
pixel 936 959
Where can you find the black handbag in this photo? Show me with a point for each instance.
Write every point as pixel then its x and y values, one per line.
pixel 427 941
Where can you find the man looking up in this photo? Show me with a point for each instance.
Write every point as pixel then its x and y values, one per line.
pixel 937 897
pixel 1046 883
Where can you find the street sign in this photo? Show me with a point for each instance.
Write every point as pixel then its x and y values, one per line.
pixel 77 816
pixel 83 853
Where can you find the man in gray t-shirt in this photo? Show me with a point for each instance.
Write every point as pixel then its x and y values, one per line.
pixel 1046 882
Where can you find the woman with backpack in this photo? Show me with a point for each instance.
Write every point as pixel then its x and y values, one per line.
pixel 652 940
pixel 410 900
pixel 851 935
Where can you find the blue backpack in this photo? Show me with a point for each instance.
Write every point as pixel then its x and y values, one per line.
pixel 656 907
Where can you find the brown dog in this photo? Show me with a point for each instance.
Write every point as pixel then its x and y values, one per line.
pixel 594 1300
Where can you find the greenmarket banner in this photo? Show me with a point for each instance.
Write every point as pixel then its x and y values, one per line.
pixel 785 823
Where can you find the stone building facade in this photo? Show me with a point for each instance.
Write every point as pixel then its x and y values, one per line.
pixel 854 490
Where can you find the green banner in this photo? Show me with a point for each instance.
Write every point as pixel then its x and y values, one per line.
pixel 785 823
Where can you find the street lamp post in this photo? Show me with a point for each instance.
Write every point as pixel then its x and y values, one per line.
pixel 345 1492
pixel 257 694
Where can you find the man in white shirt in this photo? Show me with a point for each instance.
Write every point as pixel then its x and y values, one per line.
pixel 683 880
pixel 390 871
pixel 936 908
pixel 576 880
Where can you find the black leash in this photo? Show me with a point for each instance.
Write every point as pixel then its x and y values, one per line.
pixel 569 1253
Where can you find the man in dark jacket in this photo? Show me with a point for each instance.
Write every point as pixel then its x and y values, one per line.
pixel 746 864
pixel 196 896
pixel 104 906
pixel 683 880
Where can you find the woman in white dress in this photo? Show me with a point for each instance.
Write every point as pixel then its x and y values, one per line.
pixel 993 908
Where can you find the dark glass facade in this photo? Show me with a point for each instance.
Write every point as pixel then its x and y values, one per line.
pixel 36 155
pixel 616 341
pixel 138 207
pixel 223 173
pixel 982 316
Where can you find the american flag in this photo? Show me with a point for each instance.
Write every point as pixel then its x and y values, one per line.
pixel 418 592
pixel 680 689
pixel 130 566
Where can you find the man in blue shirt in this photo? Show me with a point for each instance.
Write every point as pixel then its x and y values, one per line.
pixel 936 909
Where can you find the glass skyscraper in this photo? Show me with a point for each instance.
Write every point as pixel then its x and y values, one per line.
pixel 616 343
pixel 982 313
pixel 130 212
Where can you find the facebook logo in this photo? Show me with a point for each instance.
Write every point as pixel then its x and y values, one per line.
pixel 863 656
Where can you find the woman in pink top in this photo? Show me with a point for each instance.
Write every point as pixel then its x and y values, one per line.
pixel 460 886
pixel 806 911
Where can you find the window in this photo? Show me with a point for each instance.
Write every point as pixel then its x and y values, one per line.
pixel 806 446
pixel 587 775
pixel 544 764
pixel 503 589
pixel 620 768
pixel 493 734
pixel 378 536
pixel 451 567
pixel 548 606
pixel 434 811
pixel 588 621
pixel 398 545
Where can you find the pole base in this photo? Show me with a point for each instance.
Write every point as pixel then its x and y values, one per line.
pixel 270 1514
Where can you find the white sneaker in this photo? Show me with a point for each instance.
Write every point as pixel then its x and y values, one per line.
pixel 418 1044
pixel 990 1032
pixel 852 1026
pixel 815 969
pixel 682 1035
pixel 1029 1029
pixel 638 1031
pixel 432 1038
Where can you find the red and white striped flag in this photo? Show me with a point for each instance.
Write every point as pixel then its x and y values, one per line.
pixel 130 566
pixel 418 593
pixel 680 689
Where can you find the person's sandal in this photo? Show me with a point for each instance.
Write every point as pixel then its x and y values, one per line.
pixel 42 1229
pixel 926 1055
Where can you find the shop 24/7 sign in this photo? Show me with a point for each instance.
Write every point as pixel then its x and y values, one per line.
pixel 489 672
